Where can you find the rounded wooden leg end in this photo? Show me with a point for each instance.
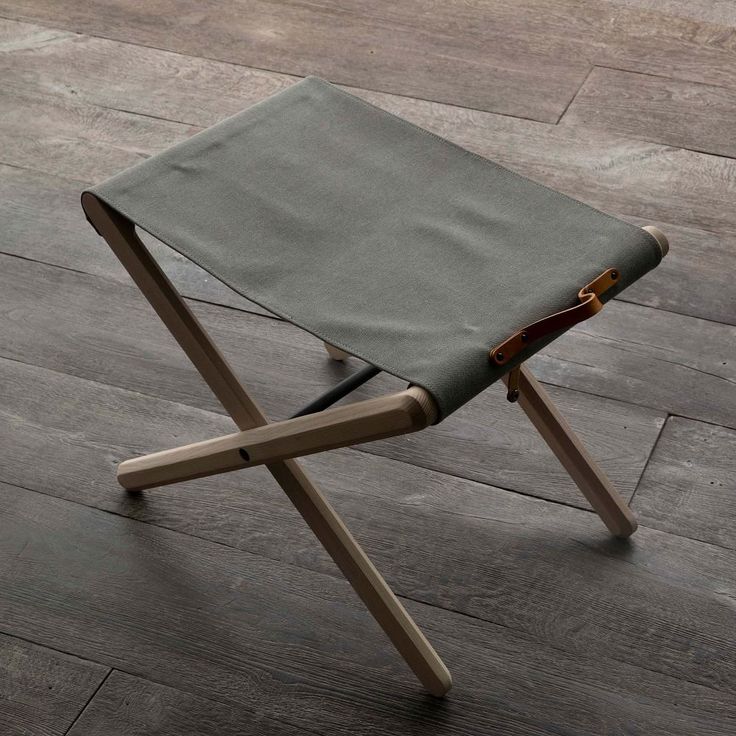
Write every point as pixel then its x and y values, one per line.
pixel 441 685
pixel 626 526
pixel 660 237
pixel 336 353
pixel 126 478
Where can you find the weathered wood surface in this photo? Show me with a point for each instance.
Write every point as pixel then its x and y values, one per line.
pixel 42 691
pixel 214 589
pixel 637 354
pixel 389 46
pixel 694 279
pixel 689 486
pixel 714 11
pixel 78 141
pixel 525 59
pixel 106 332
pixel 617 174
pixel 211 620
pixel 43 221
pixel 542 568
pixel 128 705
pixel 653 108
pixel 651 41
pixel 675 363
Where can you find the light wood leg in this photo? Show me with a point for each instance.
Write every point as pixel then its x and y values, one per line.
pixel 320 516
pixel 336 353
pixel 589 478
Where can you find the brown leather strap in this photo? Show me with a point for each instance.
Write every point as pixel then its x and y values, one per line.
pixel 589 305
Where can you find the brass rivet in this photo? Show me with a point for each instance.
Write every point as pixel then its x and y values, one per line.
pixel 499 357
pixel 614 275
pixel 524 336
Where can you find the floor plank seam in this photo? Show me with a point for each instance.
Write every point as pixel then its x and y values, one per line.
pixel 35 643
pixel 575 94
pixel 20 257
pixel 362 449
pixel 275 317
pixel 45 172
pixel 296 77
pixel 178 688
pixel 662 76
pixel 151 116
pixel 622 298
pixel 485 484
pixel 123 283
pixel 332 574
pixel 86 705
pixel 620 400
pixel 548 643
pixel 649 459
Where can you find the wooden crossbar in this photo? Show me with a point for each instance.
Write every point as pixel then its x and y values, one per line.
pixel 363 421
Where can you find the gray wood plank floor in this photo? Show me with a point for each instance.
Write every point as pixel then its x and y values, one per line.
pixel 208 607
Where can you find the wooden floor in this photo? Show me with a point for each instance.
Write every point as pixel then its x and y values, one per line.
pixel 208 608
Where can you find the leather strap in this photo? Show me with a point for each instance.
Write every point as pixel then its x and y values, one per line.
pixel 589 305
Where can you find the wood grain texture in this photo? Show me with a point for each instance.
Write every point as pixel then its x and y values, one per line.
pixel 714 11
pixel 651 108
pixel 56 232
pixel 534 568
pixel 689 486
pixel 132 706
pixel 678 364
pixel 42 691
pixel 613 173
pixel 694 279
pixel 519 59
pixel 77 141
pixel 553 627
pixel 682 192
pixel 485 63
pixel 653 41
pixel 113 337
pixel 209 620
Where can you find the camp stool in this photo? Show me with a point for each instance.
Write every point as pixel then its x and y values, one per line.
pixel 391 244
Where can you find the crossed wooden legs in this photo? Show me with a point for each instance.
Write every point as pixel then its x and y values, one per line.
pixel 276 444
pixel 311 504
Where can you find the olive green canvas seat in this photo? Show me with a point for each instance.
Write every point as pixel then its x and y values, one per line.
pixel 379 237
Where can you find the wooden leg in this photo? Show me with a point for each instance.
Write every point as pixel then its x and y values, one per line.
pixel 320 516
pixel 558 434
pixel 336 353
